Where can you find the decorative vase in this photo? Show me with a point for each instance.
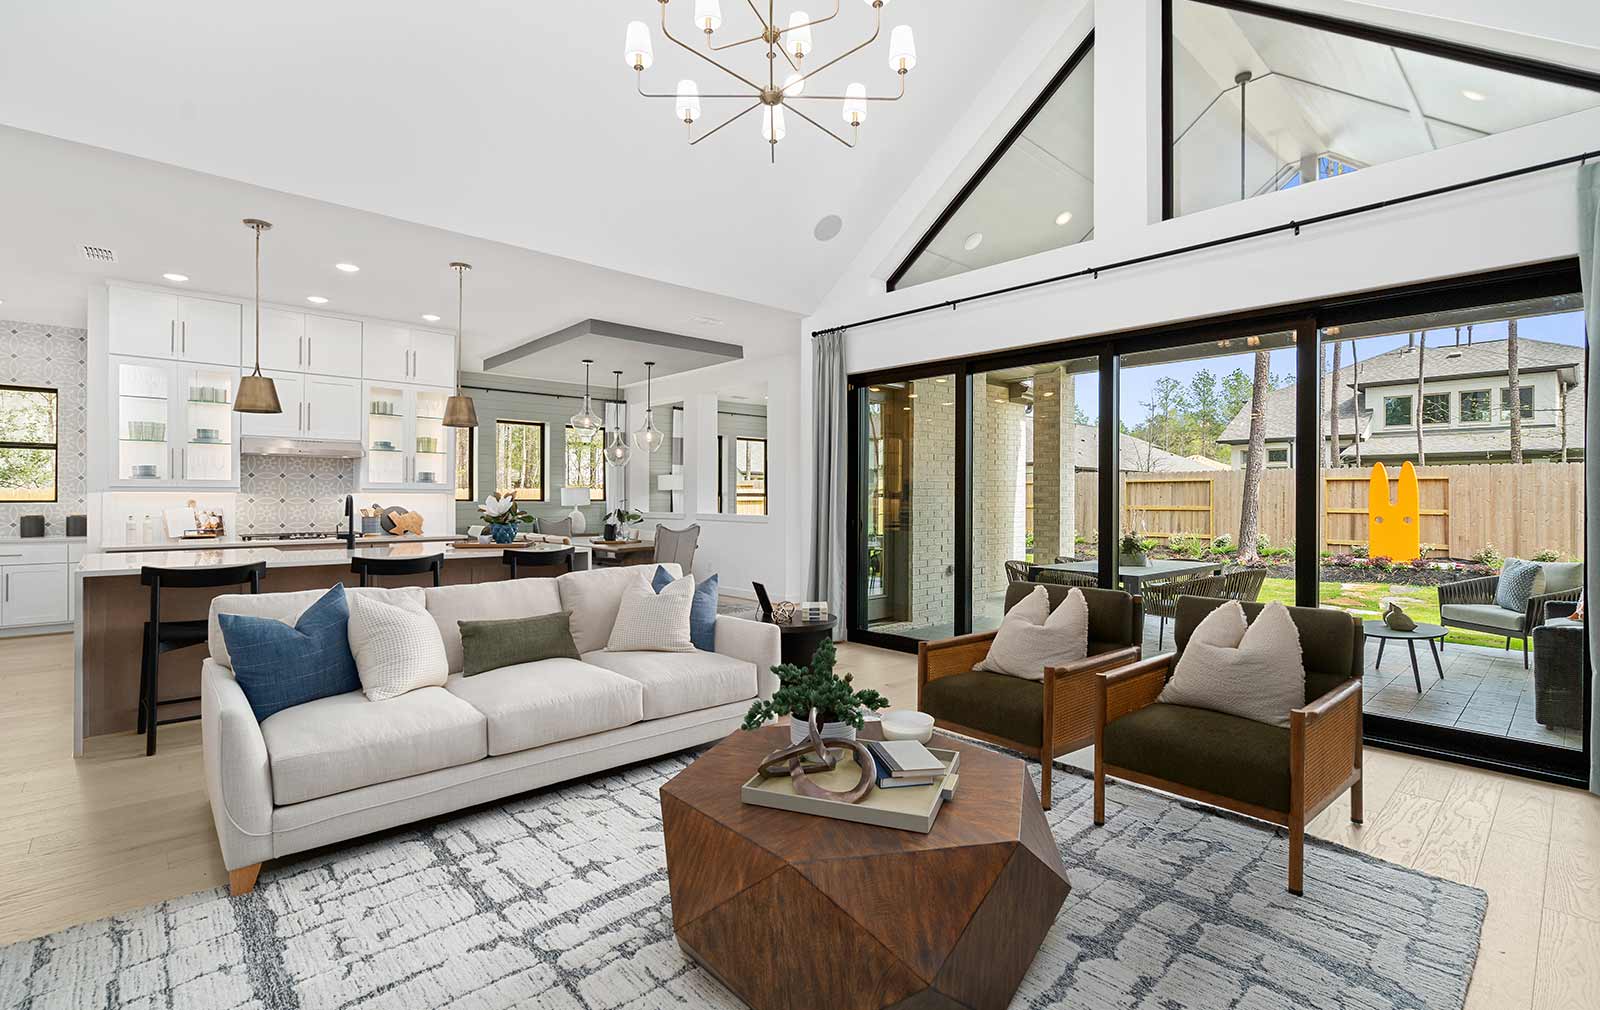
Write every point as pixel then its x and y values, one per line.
pixel 502 533
pixel 610 532
pixel 798 731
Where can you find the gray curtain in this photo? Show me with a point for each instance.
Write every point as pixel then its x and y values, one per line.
pixel 830 427
pixel 1589 262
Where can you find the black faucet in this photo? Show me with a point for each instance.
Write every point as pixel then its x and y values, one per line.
pixel 350 522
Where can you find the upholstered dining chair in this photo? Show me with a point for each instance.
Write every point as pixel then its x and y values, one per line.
pixel 1161 596
pixel 556 527
pixel 677 546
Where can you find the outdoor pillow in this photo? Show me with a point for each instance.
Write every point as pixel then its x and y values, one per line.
pixel 1031 637
pixel 1250 670
pixel 279 666
pixel 648 621
pixel 1559 577
pixel 397 648
pixel 702 614
pixel 489 645
pixel 1517 584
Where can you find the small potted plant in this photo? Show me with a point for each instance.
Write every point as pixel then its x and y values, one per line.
pixel 803 688
pixel 503 515
pixel 619 518
pixel 1132 550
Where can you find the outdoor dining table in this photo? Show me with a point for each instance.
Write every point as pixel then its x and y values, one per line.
pixel 1131 576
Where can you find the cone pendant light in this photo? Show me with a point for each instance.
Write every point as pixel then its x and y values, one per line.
pixel 458 410
pixel 257 394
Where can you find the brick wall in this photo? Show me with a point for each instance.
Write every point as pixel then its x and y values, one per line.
pixel 1054 494
pixel 999 487
pixel 933 478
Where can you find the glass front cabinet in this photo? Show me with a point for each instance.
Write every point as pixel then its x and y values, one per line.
pixel 407 444
pixel 174 424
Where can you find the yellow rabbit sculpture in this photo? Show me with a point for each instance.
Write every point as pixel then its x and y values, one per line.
pixel 1394 528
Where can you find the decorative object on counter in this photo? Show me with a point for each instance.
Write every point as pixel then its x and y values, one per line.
pixel 586 421
pixel 619 519
pixel 816 687
pixel 576 496
pixel 408 524
pixel 649 438
pixel 77 526
pixel 906 724
pixel 459 411
pixel 504 515
pixel 31 526
pixel 814 754
pixel 617 449
pixel 386 516
pixel 1132 550
pixel 1397 619
pixel 257 394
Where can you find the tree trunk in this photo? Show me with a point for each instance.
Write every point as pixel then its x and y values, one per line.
pixel 1355 397
pixel 1334 395
pixel 1514 391
pixel 1422 353
pixel 1255 462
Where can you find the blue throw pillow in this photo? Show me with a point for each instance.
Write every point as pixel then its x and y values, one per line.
pixel 702 613
pixel 278 666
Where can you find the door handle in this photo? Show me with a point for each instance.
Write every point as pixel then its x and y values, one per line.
pixel 183 343
pixel 8 587
pixel 300 418
pixel 308 417
pixel 300 352
pixel 172 336
pixel 308 352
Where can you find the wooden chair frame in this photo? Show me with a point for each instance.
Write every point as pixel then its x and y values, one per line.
pixel 1324 754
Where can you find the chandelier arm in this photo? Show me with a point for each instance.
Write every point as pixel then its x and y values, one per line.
pixel 741 42
pixel 788 59
pixel 660 94
pixel 876 31
pixel 845 98
pixel 808 24
pixel 688 48
pixel 819 126
pixel 730 122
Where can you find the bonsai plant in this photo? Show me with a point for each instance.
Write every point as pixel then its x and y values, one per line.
pixel 503 515
pixel 803 688
pixel 1132 549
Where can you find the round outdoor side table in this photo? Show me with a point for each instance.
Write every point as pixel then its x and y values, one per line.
pixel 801 638
pixel 1430 633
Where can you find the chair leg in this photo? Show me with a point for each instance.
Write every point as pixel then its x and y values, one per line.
pixel 243 880
pixel 1099 796
pixel 1356 803
pixel 144 680
pixel 150 695
pixel 1508 644
pixel 1524 653
pixel 1297 854
pixel 1161 632
pixel 1044 778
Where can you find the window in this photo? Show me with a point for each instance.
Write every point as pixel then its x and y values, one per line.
pixel 1034 193
pixel 586 462
pixel 750 476
pixel 1436 408
pixel 1264 102
pixel 1525 394
pixel 466 446
pixel 1278 456
pixel 1396 411
pixel 27 444
pixel 1474 406
pixel 519 459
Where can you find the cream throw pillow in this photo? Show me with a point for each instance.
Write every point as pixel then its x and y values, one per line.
pixel 397 647
pixel 1033 637
pixel 648 621
pixel 1249 670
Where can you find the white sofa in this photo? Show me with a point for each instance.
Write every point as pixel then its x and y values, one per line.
pixel 341 767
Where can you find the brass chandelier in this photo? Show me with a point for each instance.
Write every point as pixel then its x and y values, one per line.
pixel 793 42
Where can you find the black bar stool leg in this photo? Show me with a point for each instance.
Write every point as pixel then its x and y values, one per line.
pixel 150 703
pixel 144 679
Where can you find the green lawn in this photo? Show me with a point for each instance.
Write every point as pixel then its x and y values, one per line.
pixel 1365 601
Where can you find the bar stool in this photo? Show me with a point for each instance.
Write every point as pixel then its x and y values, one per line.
pixel 368 567
pixel 161 637
pixel 561 559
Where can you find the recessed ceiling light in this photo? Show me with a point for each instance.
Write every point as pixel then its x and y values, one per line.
pixel 1063 217
pixel 1473 96
pixel 430 317
pixel 349 268
pixel 176 278
pixel 973 241
pixel 828 228
pixel 316 299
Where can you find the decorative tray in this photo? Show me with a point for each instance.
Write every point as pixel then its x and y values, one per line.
pixel 908 808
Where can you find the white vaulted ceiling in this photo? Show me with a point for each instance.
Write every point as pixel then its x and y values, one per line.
pixel 515 122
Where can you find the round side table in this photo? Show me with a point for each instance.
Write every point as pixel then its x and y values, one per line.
pixel 801 638
pixel 1430 633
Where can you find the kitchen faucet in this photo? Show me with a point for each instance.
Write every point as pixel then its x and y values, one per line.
pixel 350 522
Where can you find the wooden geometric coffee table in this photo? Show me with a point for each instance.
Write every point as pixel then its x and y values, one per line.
pixel 793 911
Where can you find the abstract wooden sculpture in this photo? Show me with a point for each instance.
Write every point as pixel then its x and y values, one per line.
pixel 815 754
pixel 411 522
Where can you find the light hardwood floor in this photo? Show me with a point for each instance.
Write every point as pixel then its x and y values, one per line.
pixel 114 830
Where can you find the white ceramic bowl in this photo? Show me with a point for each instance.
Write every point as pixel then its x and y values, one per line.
pixel 905 724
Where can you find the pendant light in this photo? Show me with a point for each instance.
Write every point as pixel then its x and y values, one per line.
pixel 617 450
pixel 584 422
pixel 257 394
pixel 458 410
pixel 649 437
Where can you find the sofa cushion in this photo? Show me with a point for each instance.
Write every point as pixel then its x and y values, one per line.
pixel 487 601
pixel 1227 755
pixel 335 744
pixel 532 704
pixel 1032 637
pixel 396 646
pixel 282 665
pixel 594 596
pixel 1561 577
pixel 1519 580
pixel 654 621
pixel 1007 707
pixel 1249 669
pixel 702 615
pixel 285 607
pixel 489 645
pixel 1484 615
pixel 675 682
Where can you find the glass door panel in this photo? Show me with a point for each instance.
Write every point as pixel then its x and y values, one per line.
pixel 207 434
pixel 388 456
pixel 431 442
pixel 144 411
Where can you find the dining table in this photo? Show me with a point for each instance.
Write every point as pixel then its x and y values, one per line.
pixel 1131 576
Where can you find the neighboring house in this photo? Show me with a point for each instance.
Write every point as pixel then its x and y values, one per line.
pixel 1137 455
pixel 1464 413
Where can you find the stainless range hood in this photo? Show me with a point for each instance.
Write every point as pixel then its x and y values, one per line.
pixel 320 448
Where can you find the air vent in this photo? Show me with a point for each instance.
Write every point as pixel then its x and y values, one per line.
pixel 99 254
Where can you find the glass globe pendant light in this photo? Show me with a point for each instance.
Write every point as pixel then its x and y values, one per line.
pixel 257 394
pixel 649 437
pixel 459 411
pixel 617 449
pixel 585 422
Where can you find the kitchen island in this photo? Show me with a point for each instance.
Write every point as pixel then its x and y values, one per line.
pixel 113 606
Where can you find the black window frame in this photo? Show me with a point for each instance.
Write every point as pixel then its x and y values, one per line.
pixel 601 436
pixel 544 462
pixel 1012 136
pixel 53 446
pixel 1427 45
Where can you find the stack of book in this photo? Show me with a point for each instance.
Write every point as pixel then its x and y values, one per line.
pixel 906 763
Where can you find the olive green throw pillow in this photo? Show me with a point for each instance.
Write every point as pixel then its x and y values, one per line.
pixel 489 645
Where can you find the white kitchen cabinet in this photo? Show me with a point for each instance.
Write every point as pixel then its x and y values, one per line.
pixel 143 322
pixel 34 594
pixel 173 424
pixel 283 335
pixel 418 357
pixel 407 444
pixel 209 330
pixel 333 346
pixel 333 407
pixel 291 397
pixel 433 358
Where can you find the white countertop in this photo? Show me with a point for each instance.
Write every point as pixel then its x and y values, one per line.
pixel 43 540
pixel 235 543
pixel 129 562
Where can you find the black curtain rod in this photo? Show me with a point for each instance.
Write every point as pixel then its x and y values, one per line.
pixel 1293 225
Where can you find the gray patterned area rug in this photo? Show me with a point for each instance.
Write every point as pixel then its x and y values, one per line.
pixel 559 900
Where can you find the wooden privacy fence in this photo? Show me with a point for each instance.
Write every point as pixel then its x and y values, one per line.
pixel 1521 510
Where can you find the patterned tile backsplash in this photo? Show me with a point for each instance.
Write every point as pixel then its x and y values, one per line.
pixel 286 493
pixel 56 357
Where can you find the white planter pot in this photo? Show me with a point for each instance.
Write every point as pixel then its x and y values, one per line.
pixel 799 731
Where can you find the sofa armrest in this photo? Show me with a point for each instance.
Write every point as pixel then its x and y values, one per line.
pixel 1558 609
pixel 1096 664
pixel 1129 688
pixel 1479 590
pixel 238 771
pixel 950 656
pixel 1537 606
pixel 754 642
pixel 1325 747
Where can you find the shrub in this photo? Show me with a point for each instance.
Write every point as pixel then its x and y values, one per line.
pixel 1186 545
pixel 1382 563
pixel 1359 550
pixel 1547 556
pixel 1489 557
pixel 1420 564
pixel 1346 560
pixel 1222 543
pixel 1263 543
